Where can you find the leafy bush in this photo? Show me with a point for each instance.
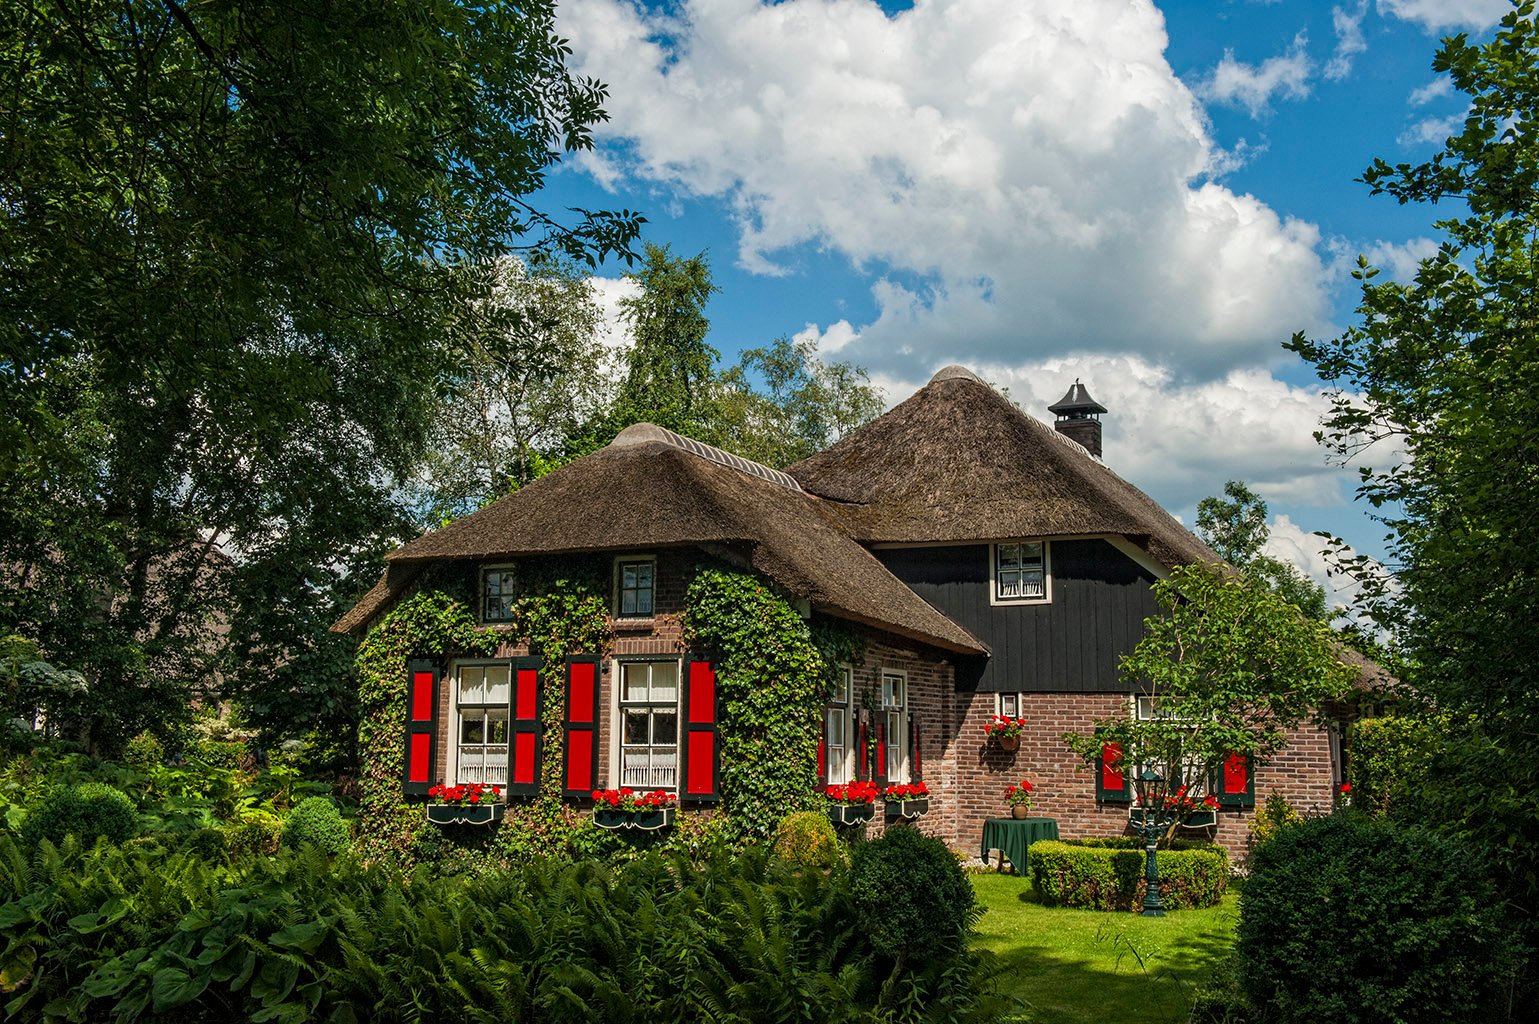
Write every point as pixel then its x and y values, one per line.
pixel 255 834
pixel 807 839
pixel 206 843
pixel 316 821
pixel 111 935
pixel 1108 874
pixel 90 810
pixel 911 894
pixel 1350 919
pixel 1275 815
pixel 1390 761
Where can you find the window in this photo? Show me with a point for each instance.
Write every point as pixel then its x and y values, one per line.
pixel 636 580
pixel 894 725
pixel 839 729
pixel 481 724
pixel 1020 571
pixel 499 588
pixel 649 724
pixel 1156 709
pixel 1010 705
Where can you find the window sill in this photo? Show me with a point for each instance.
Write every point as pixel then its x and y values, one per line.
pixel 635 622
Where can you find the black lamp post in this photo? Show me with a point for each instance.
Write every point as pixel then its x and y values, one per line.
pixel 1153 821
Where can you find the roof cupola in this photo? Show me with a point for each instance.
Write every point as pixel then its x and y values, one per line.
pixel 1078 417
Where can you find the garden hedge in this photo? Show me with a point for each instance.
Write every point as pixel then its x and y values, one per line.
pixel 1108 874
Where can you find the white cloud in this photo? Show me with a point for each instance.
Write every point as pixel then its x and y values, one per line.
pixel 1348 25
pixel 1253 86
pixel 1291 543
pixel 1432 129
pixel 1433 15
pixel 1018 179
pixel 1399 261
pixel 614 332
pixel 1433 90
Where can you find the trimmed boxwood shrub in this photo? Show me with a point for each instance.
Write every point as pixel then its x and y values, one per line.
pixel 1351 919
pixel 315 821
pixel 1108 874
pixel 90 810
pixel 910 894
pixel 807 839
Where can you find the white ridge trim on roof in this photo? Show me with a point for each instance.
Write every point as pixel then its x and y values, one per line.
pixel 641 433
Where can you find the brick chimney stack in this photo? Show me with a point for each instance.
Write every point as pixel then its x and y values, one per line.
pixel 1079 418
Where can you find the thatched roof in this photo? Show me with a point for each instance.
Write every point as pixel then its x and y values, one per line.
pixel 958 462
pixel 651 488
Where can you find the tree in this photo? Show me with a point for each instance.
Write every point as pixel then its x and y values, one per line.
pixel 1230 668
pixel 1237 529
pixel 1445 369
pixel 244 245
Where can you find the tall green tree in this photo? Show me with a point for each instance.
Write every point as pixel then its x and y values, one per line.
pixel 243 246
pixel 1438 403
pixel 1236 527
pixel 782 403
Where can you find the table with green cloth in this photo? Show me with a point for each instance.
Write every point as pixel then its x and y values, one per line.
pixel 1012 837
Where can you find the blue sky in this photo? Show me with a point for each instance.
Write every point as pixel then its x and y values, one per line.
pixel 1151 197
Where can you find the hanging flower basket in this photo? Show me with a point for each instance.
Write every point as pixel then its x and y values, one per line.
pixel 625 808
pixel 851 814
pixel 1004 732
pixel 852 804
pixel 474 803
pixel 907 801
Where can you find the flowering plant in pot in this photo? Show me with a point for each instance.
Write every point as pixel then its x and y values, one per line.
pixel 851 804
pixel 907 800
pixel 1018 798
pixel 1004 731
pixel 1192 811
pixel 626 808
pixel 471 803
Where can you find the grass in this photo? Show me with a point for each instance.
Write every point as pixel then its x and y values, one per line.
pixel 1073 966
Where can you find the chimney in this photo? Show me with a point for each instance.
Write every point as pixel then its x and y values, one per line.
pixel 1079 418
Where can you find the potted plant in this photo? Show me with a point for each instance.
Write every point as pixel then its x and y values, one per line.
pixel 907 800
pixel 851 804
pixel 626 808
pixel 473 803
pixel 1018 798
pixel 1004 732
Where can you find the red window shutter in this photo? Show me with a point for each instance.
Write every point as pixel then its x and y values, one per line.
pixel 881 749
pixel 1111 781
pixel 1237 783
pixel 579 773
pixel 823 750
pixel 863 754
pixel 702 753
pixel 422 681
pixel 915 760
pixel 524 738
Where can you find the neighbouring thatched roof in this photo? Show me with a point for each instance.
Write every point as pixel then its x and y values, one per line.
pixel 958 462
pixel 651 488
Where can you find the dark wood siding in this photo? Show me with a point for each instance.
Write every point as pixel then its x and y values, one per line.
pixel 1072 644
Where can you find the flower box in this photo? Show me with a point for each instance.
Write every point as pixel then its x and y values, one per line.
pixel 851 814
pixel 465 814
pixel 647 819
pixel 1200 819
pixel 898 810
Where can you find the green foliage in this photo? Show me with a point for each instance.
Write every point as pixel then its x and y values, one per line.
pixel 1109 874
pixel 911 894
pixel 316 822
pixel 255 834
pixel 772 682
pixel 1238 531
pixel 206 844
pixel 122 935
pixel 807 839
pixel 89 810
pixel 31 688
pixel 1232 666
pixel 1276 814
pixel 1392 761
pixel 1347 918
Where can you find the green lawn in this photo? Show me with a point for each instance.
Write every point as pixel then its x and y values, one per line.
pixel 1082 966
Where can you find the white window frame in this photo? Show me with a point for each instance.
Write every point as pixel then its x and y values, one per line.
pixel 842 700
pixel 1000 704
pixel 619 705
pixel 481 593
pixel 620 562
pixel 897 772
pixel 1047 575
pixel 457 718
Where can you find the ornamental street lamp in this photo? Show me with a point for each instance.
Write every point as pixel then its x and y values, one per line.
pixel 1153 821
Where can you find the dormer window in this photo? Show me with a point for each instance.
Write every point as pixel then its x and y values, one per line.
pixel 499 591
pixel 636 581
pixel 1020 572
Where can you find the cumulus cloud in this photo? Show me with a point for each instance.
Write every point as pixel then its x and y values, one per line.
pixel 1433 15
pixel 1018 179
pixel 1432 129
pixel 1433 90
pixel 1348 25
pixel 614 331
pixel 1253 86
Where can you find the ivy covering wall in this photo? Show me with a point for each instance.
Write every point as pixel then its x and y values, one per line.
pixel 773 675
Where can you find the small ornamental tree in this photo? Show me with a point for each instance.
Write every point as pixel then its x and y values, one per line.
pixel 1230 668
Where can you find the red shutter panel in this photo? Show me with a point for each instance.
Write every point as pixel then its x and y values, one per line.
pixel 823 750
pixel 881 749
pixel 915 761
pixel 702 755
pixel 1236 782
pixel 422 682
pixel 524 740
pixel 863 754
pixel 1111 781
pixel 579 771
